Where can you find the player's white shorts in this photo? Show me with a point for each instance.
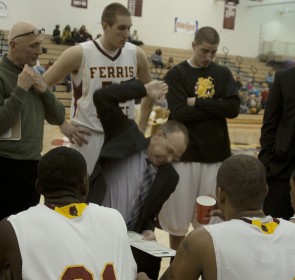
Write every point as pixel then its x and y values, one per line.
pixel 195 179
pixel 91 150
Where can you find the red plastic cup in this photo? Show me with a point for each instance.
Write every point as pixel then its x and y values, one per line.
pixel 57 142
pixel 204 205
pixel 60 142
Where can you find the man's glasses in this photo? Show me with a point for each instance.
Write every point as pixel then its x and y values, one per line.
pixel 34 32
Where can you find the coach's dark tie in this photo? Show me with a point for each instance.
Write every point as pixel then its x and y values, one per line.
pixel 144 188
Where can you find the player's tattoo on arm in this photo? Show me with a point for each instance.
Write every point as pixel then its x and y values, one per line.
pixel 185 245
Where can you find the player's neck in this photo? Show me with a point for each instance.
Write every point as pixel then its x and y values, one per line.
pixel 62 201
pixel 106 46
pixel 192 62
pixel 249 214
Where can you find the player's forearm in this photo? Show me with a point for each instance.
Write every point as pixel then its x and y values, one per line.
pixel 145 111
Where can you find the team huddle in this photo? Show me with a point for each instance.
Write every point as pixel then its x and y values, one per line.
pixel 114 179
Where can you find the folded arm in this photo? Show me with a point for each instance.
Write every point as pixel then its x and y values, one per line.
pixel 188 108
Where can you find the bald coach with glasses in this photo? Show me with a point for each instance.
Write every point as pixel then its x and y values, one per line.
pixel 25 102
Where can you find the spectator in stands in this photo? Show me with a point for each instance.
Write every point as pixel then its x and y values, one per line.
pixel 68 82
pixel 277 144
pixel 56 35
pixel 44 50
pixel 264 96
pixel 249 86
pixel 248 245
pixel 84 35
pixel 170 63
pixel 75 36
pixel 156 58
pixel 269 78
pixel 49 63
pixel 67 35
pixel 134 35
pixel 134 39
pixel 243 102
pixel 252 104
pixel 39 68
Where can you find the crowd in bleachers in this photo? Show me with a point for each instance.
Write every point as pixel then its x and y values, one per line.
pixel 70 36
pixel 253 100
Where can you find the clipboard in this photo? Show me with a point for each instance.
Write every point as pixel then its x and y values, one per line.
pixel 151 247
pixel 13 133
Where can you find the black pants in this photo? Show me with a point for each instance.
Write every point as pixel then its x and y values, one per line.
pixel 278 201
pixel 17 187
pixel 147 263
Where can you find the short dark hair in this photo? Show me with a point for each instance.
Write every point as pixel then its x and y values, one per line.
pixel 61 169
pixel 111 11
pixel 293 176
pixel 207 34
pixel 175 126
pixel 243 179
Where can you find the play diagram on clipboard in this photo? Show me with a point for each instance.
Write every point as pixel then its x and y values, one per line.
pixel 150 247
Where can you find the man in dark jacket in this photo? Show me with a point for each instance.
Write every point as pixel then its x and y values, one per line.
pixel 119 177
pixel 277 144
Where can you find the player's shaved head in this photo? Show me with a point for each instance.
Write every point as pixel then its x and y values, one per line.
pixel 61 170
pixel 243 179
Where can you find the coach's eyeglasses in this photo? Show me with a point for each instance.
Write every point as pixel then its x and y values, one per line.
pixel 34 32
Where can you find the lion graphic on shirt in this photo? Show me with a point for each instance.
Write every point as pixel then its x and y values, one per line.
pixel 205 88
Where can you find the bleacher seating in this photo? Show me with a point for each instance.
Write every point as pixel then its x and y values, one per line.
pixel 54 50
pixel 245 71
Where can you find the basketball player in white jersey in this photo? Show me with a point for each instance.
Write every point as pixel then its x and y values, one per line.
pixel 248 245
pixel 65 238
pixel 96 64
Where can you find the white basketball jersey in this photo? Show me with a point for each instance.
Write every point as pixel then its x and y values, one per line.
pixel 254 249
pixel 94 245
pixel 100 69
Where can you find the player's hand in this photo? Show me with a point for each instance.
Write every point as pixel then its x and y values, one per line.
pixel 76 134
pixel 156 90
pixel 148 235
pixel 26 78
pixel 142 276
